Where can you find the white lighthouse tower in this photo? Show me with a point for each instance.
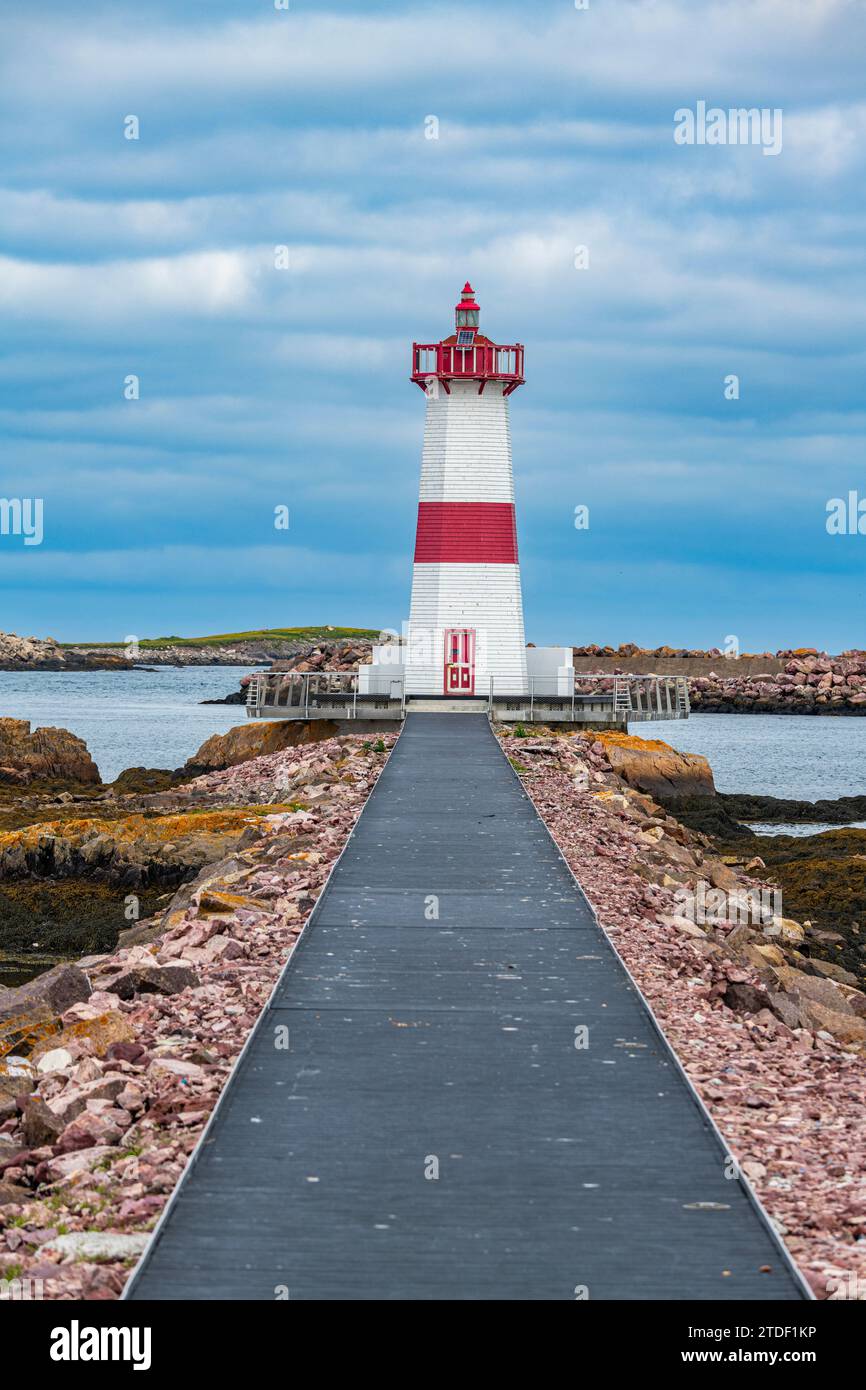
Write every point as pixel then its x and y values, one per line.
pixel 465 634
pixel 466 616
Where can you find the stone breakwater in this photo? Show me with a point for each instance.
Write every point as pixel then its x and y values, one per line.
pixel 771 1032
pixel 112 1066
pixel 328 656
pixel 810 683
pixel 818 684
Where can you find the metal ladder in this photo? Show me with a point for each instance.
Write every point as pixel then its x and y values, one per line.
pixel 621 696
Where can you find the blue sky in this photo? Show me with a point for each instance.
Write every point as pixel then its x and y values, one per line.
pixel 262 387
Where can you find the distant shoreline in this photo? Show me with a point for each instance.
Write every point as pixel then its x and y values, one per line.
pixel 251 648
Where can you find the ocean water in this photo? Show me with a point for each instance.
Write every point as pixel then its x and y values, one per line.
pixel 154 719
pixel 803 757
pixel 128 718
pixel 801 829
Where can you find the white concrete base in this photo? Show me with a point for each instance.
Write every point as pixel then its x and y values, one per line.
pixel 549 670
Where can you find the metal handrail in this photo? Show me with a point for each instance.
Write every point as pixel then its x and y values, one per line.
pixel 489 361
pixel 305 690
pixel 301 693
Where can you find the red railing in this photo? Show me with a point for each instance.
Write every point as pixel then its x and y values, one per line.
pixel 482 362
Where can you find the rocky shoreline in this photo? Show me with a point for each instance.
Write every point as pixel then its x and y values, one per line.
pixel 44 654
pixel 77 856
pixel 112 1065
pixel 770 1028
pixel 277 653
pixel 252 653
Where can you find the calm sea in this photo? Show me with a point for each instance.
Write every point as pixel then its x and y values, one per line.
pixel 803 757
pixel 154 719
pixel 128 718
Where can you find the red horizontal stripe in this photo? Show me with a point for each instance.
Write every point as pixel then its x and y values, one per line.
pixel 466 533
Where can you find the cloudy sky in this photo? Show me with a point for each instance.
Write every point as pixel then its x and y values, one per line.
pixel 262 386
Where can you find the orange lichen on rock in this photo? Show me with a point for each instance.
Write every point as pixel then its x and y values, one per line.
pixel 137 827
pixel 654 767
pixel 621 740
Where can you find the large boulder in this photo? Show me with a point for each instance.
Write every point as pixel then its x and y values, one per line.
pixel 96 1034
pixel 129 978
pixel 655 768
pixel 44 998
pixel 40 1124
pixel 252 740
pixel 44 755
pixel 31 1013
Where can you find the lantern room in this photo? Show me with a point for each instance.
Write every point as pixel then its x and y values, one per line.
pixel 467 355
pixel 466 314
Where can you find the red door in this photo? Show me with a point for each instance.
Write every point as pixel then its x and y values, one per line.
pixel 460 661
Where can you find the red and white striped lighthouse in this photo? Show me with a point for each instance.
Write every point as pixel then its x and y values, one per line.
pixel 466 616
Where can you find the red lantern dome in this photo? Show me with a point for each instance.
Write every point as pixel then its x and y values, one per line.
pixel 467 310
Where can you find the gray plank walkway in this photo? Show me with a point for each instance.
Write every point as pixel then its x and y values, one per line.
pixel 418 1042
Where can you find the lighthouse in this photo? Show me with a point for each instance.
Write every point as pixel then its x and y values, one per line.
pixel 466 614
pixel 464 638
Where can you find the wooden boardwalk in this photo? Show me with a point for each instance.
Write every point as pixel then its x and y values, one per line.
pixel 433 1132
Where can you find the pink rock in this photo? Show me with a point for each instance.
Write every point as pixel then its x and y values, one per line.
pixel 82 1160
pixel 189 1071
pixel 87 1131
pixel 73 1100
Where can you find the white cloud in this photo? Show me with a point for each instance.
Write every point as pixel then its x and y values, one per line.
pixel 187 566
pixel 633 47
pixel 202 283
